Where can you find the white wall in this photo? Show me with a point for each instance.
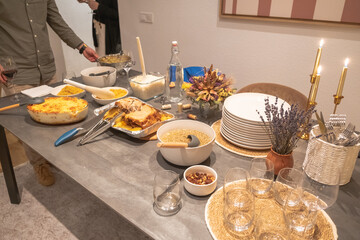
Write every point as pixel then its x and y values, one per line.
pixel 78 17
pixel 249 50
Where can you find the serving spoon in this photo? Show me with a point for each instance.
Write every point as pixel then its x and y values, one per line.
pixel 194 142
pixel 99 92
pixel 28 101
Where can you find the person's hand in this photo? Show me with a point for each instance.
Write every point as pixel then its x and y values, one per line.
pixel 3 79
pixel 93 4
pixel 82 1
pixel 90 54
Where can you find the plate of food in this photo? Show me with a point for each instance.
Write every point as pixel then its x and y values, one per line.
pixel 119 93
pixel 67 90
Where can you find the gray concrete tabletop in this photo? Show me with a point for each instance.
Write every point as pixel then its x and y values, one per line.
pixel 119 170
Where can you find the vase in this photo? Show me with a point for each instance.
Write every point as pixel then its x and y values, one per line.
pixel 280 161
pixel 207 111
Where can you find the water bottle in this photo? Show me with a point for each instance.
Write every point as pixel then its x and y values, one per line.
pixel 174 74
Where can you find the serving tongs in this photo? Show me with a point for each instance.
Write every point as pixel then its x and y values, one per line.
pixel 104 124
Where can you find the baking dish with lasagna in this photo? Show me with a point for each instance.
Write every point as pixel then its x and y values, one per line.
pixel 139 119
pixel 59 110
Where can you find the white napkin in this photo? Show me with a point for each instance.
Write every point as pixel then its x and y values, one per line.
pixel 37 91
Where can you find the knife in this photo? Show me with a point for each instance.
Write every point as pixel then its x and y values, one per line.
pixel 83 128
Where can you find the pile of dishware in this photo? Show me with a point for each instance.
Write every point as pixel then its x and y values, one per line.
pixel 241 124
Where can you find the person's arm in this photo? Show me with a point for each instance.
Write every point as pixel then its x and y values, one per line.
pixel 3 79
pixel 60 27
pixel 88 52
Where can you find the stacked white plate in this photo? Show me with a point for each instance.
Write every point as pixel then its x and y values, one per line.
pixel 241 124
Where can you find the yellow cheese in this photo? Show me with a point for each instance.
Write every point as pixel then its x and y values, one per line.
pixel 59 105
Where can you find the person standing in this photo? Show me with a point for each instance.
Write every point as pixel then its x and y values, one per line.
pixel 24 36
pixel 105 26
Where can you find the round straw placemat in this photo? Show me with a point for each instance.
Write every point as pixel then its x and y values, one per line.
pixel 222 142
pixel 325 228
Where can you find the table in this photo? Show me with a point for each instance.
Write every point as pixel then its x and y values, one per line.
pixel 119 170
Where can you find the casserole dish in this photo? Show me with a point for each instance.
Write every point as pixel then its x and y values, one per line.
pixel 59 110
pixel 136 132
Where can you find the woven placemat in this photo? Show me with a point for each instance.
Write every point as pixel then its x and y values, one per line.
pixel 222 142
pixel 325 229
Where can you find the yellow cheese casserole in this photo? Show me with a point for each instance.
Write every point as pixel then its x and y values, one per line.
pixel 59 110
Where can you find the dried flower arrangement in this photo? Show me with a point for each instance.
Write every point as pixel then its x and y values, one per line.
pixel 284 126
pixel 212 88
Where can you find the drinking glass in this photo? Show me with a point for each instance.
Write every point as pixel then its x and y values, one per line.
pixel 271 224
pixel 261 177
pixel 128 65
pixel 239 203
pixel 326 193
pixel 167 194
pixel 300 213
pixel 9 70
pixel 286 180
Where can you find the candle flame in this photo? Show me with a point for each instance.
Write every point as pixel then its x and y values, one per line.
pixel 346 62
pixel 321 43
pixel 319 70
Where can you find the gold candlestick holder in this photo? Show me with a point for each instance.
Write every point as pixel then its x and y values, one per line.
pixel 305 135
pixel 337 100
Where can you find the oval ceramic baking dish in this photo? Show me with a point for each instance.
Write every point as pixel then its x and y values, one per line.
pixel 59 110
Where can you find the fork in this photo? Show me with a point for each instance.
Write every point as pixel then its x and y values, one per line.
pixel 346 134
pixel 331 133
pixel 337 120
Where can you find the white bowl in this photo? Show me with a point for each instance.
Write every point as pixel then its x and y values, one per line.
pixel 200 190
pixel 107 101
pixel 57 89
pixel 187 156
pixel 99 81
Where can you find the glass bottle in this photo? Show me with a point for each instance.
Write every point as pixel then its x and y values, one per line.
pixel 174 74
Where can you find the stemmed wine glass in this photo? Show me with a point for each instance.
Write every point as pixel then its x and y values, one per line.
pixel 128 65
pixel 9 70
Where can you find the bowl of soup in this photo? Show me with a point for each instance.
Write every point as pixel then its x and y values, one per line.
pixel 177 131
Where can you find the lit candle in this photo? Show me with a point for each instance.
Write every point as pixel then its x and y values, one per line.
pixel 316 86
pixel 317 61
pixel 342 79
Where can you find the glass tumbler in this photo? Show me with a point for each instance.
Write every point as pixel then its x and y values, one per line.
pixel 287 180
pixel 238 202
pixel 167 193
pixel 261 177
pixel 300 213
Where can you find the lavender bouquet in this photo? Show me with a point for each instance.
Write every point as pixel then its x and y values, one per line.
pixel 284 126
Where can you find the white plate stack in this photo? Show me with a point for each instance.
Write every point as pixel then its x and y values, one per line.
pixel 241 124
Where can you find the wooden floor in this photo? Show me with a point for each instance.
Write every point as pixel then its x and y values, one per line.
pixel 17 152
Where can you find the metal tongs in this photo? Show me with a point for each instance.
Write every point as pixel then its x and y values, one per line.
pixel 104 124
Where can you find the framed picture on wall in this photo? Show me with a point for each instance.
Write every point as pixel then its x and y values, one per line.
pixel 332 11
